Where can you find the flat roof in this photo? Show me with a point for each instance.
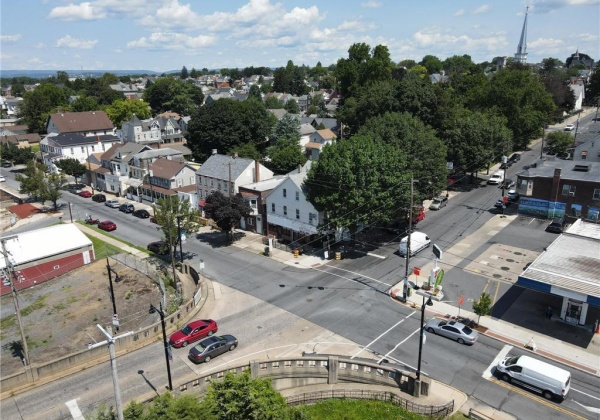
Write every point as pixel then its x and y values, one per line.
pixel 43 243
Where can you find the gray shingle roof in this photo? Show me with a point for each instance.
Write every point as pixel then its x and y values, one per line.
pixel 217 166
pixel 546 168
pixel 70 139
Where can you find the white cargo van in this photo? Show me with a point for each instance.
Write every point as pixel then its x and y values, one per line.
pixel 418 242
pixel 496 178
pixel 542 377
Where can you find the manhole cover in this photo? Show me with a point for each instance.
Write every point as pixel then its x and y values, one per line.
pixel 517 253
pixel 509 260
pixel 498 276
pixel 505 268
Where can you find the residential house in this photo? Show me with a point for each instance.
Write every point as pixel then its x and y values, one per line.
pixel 226 174
pixel 129 90
pixel 290 216
pixel 306 130
pixel 317 141
pixel 10 105
pixel 22 141
pixel 588 151
pixel 55 147
pixel 166 177
pixel 560 188
pixel 153 131
pixel 89 123
pixel 256 195
pixel 114 176
pixel 578 89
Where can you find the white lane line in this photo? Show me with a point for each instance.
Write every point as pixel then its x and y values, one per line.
pixel 376 256
pixel 407 365
pixel 592 409
pixel 383 333
pixel 587 395
pixel 399 344
pixel 74 409
pixel 355 273
pixel 487 374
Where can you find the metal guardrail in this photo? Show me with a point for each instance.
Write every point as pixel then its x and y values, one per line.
pixel 441 411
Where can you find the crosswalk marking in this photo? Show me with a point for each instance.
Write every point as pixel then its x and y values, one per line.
pixel 487 374
pixel 74 409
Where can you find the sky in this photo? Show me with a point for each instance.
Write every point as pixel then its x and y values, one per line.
pixel 164 35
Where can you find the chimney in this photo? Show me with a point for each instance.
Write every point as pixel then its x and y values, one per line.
pixel 555 184
pixel 214 151
pixel 256 171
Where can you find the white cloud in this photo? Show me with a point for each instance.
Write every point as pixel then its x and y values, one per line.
pixel 83 11
pixel 546 6
pixel 434 39
pixel 587 37
pixel 544 44
pixel 9 39
pixel 68 41
pixel 481 9
pixel 459 12
pixel 172 41
pixel 371 4
pixel 39 45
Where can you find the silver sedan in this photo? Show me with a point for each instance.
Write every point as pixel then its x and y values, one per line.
pixel 452 329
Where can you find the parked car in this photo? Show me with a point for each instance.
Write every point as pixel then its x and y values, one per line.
pixel 6 164
pixel 438 202
pixel 2 179
pixel 127 208
pixel 85 194
pixel 513 195
pixel 509 183
pixel 496 178
pixel 112 203
pixel 211 347
pixel 193 331
pixel 570 127
pixel 453 330
pixel 515 158
pixel 556 225
pixel 158 247
pixel 107 225
pixel 75 188
pixel 99 198
pixel 141 213
pixel 500 202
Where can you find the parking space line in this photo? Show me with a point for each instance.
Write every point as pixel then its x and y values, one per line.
pixel 487 374
pixel 399 344
pixel 384 333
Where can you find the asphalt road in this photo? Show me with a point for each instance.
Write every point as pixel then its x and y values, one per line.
pixel 348 300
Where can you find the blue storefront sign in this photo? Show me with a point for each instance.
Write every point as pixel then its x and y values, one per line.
pixel 541 208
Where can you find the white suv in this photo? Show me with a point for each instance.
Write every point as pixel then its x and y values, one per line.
pixel 114 203
pixel 496 179
pixel 570 127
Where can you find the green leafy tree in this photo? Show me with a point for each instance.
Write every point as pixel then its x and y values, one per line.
pixel 123 110
pixel 562 96
pixel 558 142
pixel 292 107
pixel 418 70
pixel 285 158
pixel 194 73
pixel 358 180
pixel 52 188
pixel 72 167
pixel 173 216
pixel 255 93
pixel 246 150
pixel 226 211
pixel 184 73
pixel 432 64
pixel 592 91
pixel 551 65
pixel 273 103
pixel 18 156
pixel 460 64
pixel 241 397
pixel 35 183
pixel 168 94
pixel 39 103
pixel 408 64
pixel 483 306
pixel 84 103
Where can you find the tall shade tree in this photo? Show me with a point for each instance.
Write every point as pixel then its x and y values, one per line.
pixel 592 91
pixel 167 212
pixel 168 94
pixel 523 100
pixel 562 96
pixel 123 110
pixel 226 211
pixel 84 103
pixel 425 153
pixel 432 64
pixel 72 167
pixel 358 181
pixel 35 183
pixel 184 73
pixel 285 152
pixel 255 93
pixel 559 142
pixel 39 103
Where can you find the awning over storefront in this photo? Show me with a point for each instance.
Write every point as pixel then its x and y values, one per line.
pixel 295 225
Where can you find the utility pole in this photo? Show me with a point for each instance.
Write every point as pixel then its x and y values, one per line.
pixel 10 274
pixel 166 343
pixel 70 211
pixel 542 149
pixel 229 181
pixel 179 236
pixel 410 219
pixel 112 296
pixel 110 340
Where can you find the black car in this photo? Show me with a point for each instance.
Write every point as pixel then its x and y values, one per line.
pixel 126 208
pixel 509 183
pixel 99 198
pixel 141 213
pixel 75 188
pixel 211 347
pixel 556 225
pixel 515 158
pixel 158 247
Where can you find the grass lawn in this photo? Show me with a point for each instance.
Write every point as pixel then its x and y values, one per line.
pixel 104 249
pixel 336 409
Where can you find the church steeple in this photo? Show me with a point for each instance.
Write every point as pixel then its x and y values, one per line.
pixel 521 54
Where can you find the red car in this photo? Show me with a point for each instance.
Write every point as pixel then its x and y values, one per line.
pixel 85 194
pixel 193 331
pixel 107 225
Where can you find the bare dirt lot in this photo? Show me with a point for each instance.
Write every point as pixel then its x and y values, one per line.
pixel 60 315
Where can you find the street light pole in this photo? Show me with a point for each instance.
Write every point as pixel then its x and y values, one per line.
pixel 410 219
pixel 428 303
pixel 166 343
pixel 179 238
pixel 542 149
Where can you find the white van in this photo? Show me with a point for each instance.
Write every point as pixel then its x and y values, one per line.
pixel 497 178
pixel 418 242
pixel 550 381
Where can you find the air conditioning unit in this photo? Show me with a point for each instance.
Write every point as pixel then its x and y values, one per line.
pixel 572 193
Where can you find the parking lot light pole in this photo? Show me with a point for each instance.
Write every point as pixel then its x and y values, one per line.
pixel 166 343
pixel 428 303
pixel 410 220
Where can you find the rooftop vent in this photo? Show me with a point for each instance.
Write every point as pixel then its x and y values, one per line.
pixel 581 168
